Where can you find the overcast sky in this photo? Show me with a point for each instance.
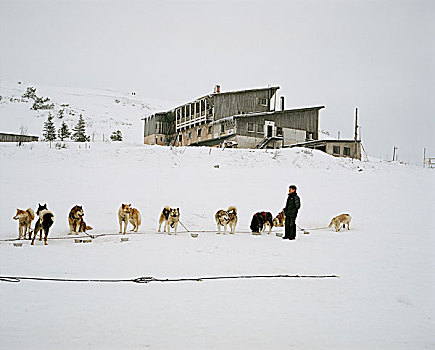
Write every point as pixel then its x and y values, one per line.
pixel 378 56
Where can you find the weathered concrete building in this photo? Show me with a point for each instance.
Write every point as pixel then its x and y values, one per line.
pixel 244 119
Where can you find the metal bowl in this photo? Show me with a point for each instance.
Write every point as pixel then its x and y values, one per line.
pixel 194 235
pixel 124 239
pixel 278 234
pixel 18 244
pixel 78 240
pixel 87 240
pixel 256 233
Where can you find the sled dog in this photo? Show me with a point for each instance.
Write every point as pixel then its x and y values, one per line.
pixel 339 220
pixel 75 219
pixel 135 219
pixel 43 223
pixel 124 216
pixel 226 217
pixel 260 220
pixel 279 220
pixel 170 217
pixel 24 218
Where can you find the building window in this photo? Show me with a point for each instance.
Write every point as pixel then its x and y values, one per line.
pixel 260 128
pixel 278 131
pixel 262 101
pixel 336 150
pixel 251 127
pixel 180 138
pixel 309 135
pixel 346 151
pixel 199 132
pixel 209 130
pixel 222 128
pixel 189 135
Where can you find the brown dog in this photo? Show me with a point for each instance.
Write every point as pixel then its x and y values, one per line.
pixel 75 219
pixel 135 219
pixel 124 216
pixel 24 218
pixel 339 220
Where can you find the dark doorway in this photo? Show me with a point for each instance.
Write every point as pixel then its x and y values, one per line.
pixel 269 130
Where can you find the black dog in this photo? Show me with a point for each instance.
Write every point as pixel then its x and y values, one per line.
pixel 260 220
pixel 43 223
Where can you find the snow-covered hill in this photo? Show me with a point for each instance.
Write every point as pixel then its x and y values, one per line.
pixel 104 111
pixel 386 262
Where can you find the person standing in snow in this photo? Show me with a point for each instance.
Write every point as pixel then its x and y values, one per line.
pixel 291 211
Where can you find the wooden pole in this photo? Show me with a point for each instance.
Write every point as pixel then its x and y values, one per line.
pixel 424 157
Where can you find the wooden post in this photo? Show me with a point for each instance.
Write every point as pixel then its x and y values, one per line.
pixel 394 153
pixel 424 157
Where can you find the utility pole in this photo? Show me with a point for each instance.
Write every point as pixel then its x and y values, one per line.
pixel 356 133
pixel 338 136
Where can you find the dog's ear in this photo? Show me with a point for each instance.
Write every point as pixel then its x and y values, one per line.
pixel 129 205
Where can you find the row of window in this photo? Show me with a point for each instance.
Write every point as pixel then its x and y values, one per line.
pixel 336 151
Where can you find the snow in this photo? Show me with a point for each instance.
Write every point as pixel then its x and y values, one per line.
pixel 386 262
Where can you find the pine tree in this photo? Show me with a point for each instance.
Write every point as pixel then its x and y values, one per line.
pixel 116 135
pixel 79 134
pixel 49 131
pixel 63 131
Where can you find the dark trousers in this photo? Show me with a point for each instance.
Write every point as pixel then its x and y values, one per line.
pixel 290 227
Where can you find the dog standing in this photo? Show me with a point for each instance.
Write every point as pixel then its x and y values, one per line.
pixel 259 222
pixel 45 221
pixel 124 216
pixel 24 218
pixel 339 220
pixel 75 219
pixel 135 219
pixel 279 220
pixel 223 218
pixel 170 217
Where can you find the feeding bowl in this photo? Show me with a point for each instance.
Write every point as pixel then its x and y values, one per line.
pixel 194 235
pixel 18 244
pixel 78 240
pixel 256 233
pixel 87 240
pixel 278 234
pixel 306 232
pixel 124 239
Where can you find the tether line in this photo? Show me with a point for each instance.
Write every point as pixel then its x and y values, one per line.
pixel 143 280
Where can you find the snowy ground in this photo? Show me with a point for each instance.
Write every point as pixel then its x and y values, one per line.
pixel 384 298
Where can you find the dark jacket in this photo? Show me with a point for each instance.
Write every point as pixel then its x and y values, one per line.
pixel 292 206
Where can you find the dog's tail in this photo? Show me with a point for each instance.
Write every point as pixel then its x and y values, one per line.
pixel 47 221
pixel 232 207
pixel 331 223
pixel 31 213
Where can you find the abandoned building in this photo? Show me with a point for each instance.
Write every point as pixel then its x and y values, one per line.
pixel 243 119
